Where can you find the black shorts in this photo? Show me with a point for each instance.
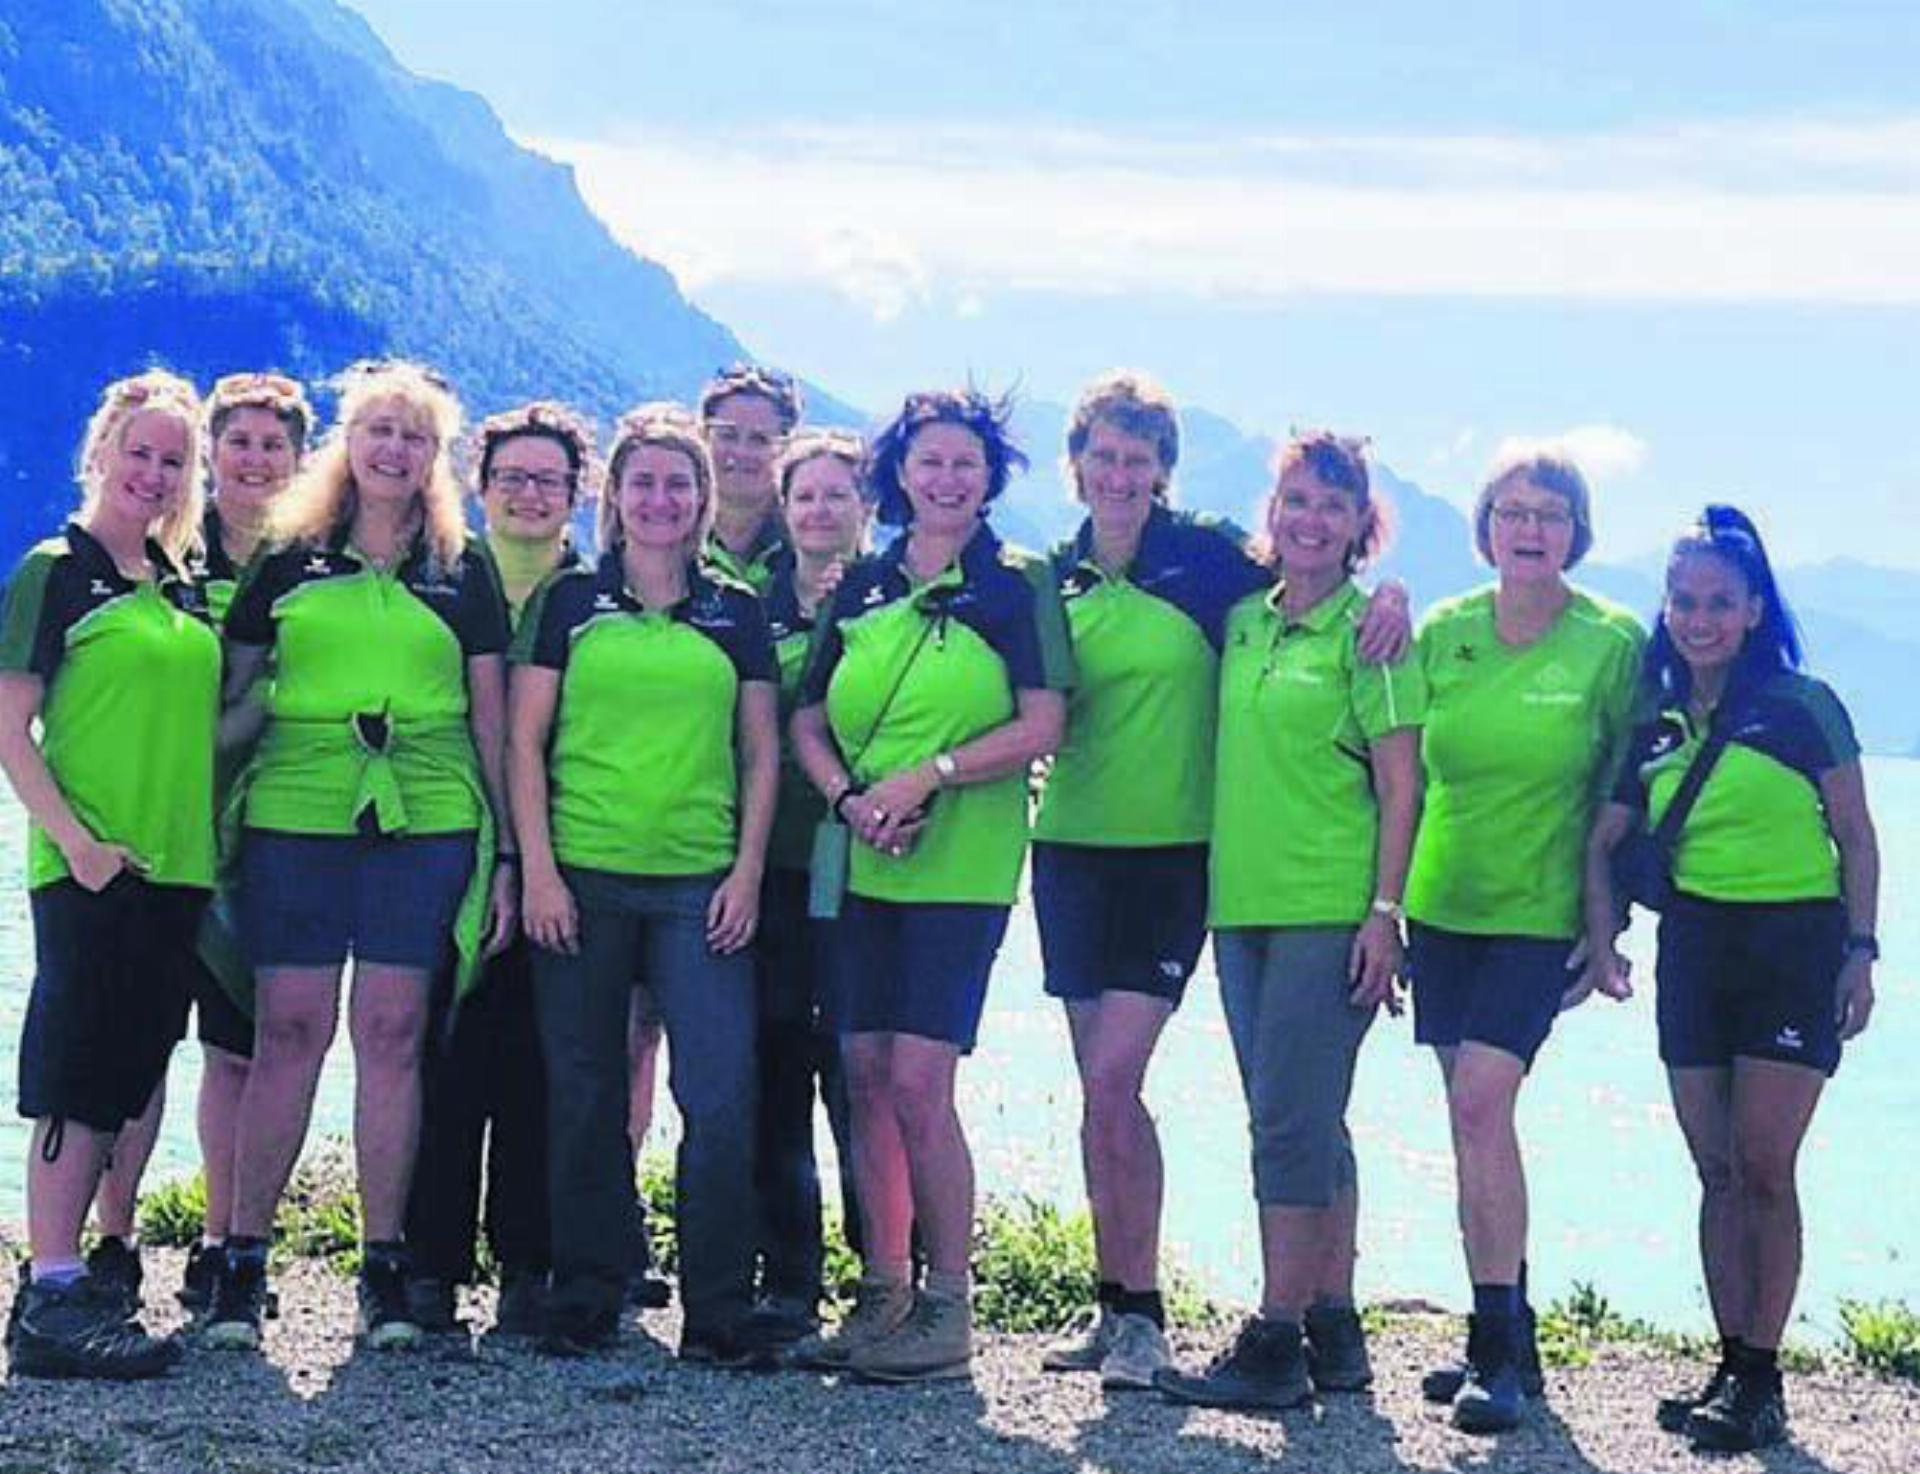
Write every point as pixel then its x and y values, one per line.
pixel 1123 920
pixel 1503 992
pixel 913 967
pixel 217 1018
pixel 113 976
pixel 1753 980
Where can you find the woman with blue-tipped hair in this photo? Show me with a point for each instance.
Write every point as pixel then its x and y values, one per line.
pixel 1767 948
pixel 937 677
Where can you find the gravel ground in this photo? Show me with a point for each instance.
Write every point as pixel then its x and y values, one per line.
pixel 314 1402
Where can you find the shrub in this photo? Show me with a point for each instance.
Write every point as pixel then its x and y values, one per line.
pixel 171 1215
pixel 1572 1326
pixel 1882 1336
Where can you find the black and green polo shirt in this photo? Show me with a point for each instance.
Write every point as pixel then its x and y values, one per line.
pixel 800 808
pixel 131 676
pixel 213 569
pixel 1137 764
pixel 952 651
pixel 1296 823
pixel 367 709
pixel 641 765
pixel 768 557
pixel 1758 829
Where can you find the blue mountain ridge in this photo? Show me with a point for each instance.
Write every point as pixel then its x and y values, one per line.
pixel 223 184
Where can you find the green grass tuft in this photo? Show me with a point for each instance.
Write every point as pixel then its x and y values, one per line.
pixel 1882 1336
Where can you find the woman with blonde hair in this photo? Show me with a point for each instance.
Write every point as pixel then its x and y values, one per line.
pixel 109 698
pixel 371 808
pixel 643 753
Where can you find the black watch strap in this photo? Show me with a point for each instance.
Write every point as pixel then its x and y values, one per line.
pixel 1863 944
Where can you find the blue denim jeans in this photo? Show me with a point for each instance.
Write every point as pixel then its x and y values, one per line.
pixel 654 926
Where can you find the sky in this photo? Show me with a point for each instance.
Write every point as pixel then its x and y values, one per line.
pixel 1684 238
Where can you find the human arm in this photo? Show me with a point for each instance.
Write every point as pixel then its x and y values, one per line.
pixel 1603 969
pixel 93 862
pixel 487 720
pixel 1843 790
pixel 547 910
pixel 1379 952
pixel 1386 629
pixel 734 911
pixel 243 704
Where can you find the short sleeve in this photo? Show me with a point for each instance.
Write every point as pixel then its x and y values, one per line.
pixel 482 621
pixel 1034 638
pixel 1387 698
pixel 1621 702
pixel 250 615
pixel 1629 788
pixel 545 637
pixel 1834 739
pixel 823 656
pixel 32 637
pixel 749 643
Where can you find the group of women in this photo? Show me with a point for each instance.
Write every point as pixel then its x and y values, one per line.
pixel 737 776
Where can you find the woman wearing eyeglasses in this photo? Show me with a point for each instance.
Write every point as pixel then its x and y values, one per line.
pixel 485 1085
pixel 1530 693
pixel 371 809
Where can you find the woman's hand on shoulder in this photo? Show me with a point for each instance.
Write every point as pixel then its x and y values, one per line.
pixel 1386 629
pixel 548 913
pixel 1853 995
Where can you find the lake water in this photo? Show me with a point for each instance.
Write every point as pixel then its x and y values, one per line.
pixel 1613 1193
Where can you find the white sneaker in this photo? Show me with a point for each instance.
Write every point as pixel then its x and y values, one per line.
pixel 1085 1347
pixel 1139 1349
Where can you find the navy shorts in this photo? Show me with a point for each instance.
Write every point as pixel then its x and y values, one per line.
pixel 113 972
pixel 307 900
pixel 1126 920
pixel 1503 992
pixel 917 967
pixel 1751 980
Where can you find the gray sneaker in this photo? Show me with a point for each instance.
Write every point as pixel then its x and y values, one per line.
pixel 1139 1350
pixel 935 1342
pixel 879 1309
pixel 1085 1347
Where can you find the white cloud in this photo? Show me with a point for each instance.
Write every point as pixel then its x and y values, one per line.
pixel 891 218
pixel 1604 452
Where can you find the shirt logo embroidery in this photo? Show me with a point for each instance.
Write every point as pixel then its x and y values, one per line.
pixel 100 589
pixel 318 563
pixel 874 595
pixel 605 603
pixel 1463 653
pixel 1789 1038
pixel 1170 968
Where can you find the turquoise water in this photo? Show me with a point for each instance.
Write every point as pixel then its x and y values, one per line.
pixel 1612 1189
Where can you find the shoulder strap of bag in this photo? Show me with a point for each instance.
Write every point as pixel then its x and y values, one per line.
pixel 1719 732
pixel 886 705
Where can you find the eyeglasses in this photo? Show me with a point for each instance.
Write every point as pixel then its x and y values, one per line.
pixel 1547 519
pixel 515 482
pixel 725 432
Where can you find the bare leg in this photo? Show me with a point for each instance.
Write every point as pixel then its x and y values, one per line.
pixel 1339 1247
pixel 1113 1042
pixel 296 1011
pixel 1772 1106
pixel 59 1191
pixel 118 1196
pixel 223 1082
pixel 879 1153
pixel 938 1163
pixel 387 1018
pixel 1703 1101
pixel 1482 1092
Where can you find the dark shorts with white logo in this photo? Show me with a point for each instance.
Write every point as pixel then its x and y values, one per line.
pixel 1750 980
pixel 1119 920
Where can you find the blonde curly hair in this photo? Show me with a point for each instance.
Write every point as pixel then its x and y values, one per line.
pixel 163 393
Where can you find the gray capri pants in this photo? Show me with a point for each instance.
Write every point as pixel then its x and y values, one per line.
pixel 1296 1037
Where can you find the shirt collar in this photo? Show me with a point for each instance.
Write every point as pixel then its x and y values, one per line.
pixel 981 555
pixel 1337 606
pixel 94 556
pixel 1154 552
pixel 610 577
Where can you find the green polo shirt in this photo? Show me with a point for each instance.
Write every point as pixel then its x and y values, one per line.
pixel 1295 821
pixel 953 652
pixel 769 557
pixel 130 702
pixel 1519 744
pixel 642 778
pixel 1758 830
pixel 367 711
pixel 1136 767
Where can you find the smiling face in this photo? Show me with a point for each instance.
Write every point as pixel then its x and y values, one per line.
pixel 744 434
pixel 1709 611
pixel 529 489
pixel 390 449
pixel 659 498
pixel 1118 476
pixel 144 471
pixel 825 513
pixel 1530 530
pixel 1313 527
pixel 944 476
pixel 253 460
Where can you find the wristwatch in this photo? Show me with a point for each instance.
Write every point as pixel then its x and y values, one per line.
pixel 1863 944
pixel 1391 909
pixel 945 767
